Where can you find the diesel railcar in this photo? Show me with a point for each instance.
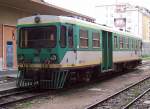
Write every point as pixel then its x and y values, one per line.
pixel 53 50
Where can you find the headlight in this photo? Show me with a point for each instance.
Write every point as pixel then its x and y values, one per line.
pixel 53 57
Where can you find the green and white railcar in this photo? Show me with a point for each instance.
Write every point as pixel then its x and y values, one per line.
pixel 52 49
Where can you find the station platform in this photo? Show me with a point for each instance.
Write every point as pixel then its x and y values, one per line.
pixel 8 85
pixel 9 73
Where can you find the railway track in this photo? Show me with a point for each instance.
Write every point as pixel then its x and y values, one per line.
pixel 124 98
pixel 136 99
pixel 13 96
pixel 16 95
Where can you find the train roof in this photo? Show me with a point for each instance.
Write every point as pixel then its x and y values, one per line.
pixel 70 20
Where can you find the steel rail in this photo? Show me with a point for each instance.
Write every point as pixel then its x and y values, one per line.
pixel 13 93
pixel 134 100
pixel 117 93
pixel 20 99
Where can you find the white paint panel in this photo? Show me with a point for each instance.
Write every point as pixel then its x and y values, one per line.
pixel 125 55
pixel 89 57
pixel 69 58
pixel 82 57
pixel 95 57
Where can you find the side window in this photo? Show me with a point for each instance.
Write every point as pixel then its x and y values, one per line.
pixel 96 39
pixel 140 44
pixel 115 42
pixel 127 42
pixel 63 36
pixel 137 44
pixel 70 37
pixel 132 43
pixel 121 42
pixel 83 38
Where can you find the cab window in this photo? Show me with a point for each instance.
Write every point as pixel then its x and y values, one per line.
pixel 70 37
pixel 63 36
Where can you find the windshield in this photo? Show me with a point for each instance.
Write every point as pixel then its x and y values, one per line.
pixel 37 37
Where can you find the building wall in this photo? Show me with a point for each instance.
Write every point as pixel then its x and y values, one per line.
pixel 8 21
pixel 1 40
pixel 10 37
pixel 1 45
pixel 146 28
pixel 133 19
pixel 10 15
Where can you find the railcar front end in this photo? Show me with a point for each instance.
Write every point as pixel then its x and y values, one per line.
pixel 39 56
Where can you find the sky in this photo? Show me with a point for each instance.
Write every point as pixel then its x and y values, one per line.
pixel 87 7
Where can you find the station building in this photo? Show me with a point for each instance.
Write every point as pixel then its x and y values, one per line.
pixel 129 18
pixel 10 11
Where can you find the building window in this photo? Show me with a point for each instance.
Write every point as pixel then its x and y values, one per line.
pixel 115 42
pixel 121 42
pixel 96 39
pixel 63 36
pixel 70 37
pixel 83 38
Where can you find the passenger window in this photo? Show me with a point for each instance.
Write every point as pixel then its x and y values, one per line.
pixel 136 44
pixel 83 38
pixel 70 37
pixel 127 42
pixel 121 42
pixel 96 39
pixel 140 44
pixel 63 36
pixel 133 44
pixel 115 42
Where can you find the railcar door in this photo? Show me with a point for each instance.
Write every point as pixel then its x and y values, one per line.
pixel 106 51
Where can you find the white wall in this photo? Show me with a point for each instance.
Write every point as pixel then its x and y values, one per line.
pixel 106 14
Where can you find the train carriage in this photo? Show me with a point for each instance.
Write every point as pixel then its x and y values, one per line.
pixel 54 49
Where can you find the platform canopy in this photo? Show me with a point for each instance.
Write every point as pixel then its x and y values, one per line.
pixel 41 7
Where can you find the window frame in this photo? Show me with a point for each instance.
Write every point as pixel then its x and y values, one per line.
pixel 83 38
pixel 115 41
pixel 121 42
pixel 20 37
pixel 127 42
pixel 65 37
pixel 133 44
pixel 72 40
pixel 96 39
